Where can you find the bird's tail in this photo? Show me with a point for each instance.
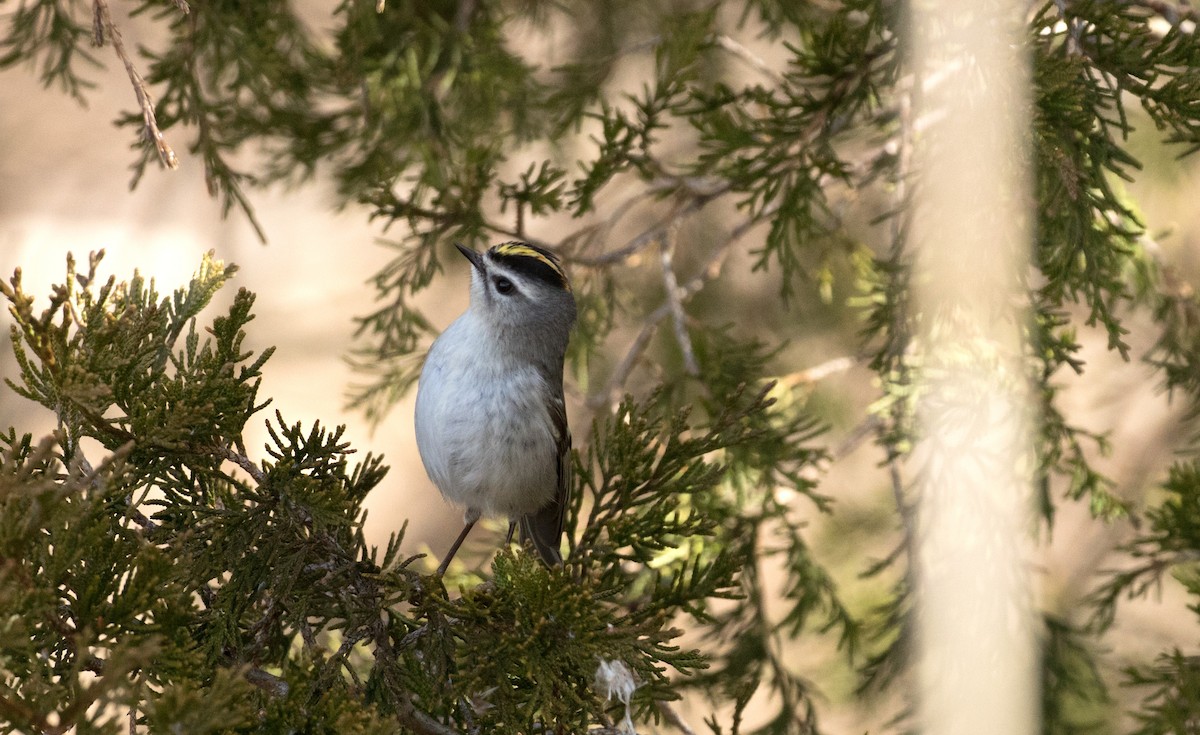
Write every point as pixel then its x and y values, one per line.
pixel 544 528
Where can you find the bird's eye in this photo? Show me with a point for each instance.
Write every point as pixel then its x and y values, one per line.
pixel 503 285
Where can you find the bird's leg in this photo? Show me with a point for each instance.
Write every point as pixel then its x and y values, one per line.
pixel 467 526
pixel 512 526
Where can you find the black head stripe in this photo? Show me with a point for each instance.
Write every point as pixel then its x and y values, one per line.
pixel 533 261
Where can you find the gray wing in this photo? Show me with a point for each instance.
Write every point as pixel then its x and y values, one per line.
pixel 544 527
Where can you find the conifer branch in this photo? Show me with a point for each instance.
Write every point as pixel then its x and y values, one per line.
pixel 15 712
pixel 104 25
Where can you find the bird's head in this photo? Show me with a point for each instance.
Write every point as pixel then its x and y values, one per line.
pixel 522 292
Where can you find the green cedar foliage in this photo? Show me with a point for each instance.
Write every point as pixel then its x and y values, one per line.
pixel 152 570
pixel 243 582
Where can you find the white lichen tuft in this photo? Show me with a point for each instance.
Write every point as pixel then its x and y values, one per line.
pixel 615 680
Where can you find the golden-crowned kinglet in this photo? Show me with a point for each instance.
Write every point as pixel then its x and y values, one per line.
pixel 490 420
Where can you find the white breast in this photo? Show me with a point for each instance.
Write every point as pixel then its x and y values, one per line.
pixel 483 429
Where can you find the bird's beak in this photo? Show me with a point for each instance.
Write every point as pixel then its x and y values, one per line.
pixel 475 258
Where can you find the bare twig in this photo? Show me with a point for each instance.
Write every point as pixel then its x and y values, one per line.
pixel 749 57
pixel 410 639
pixel 339 657
pixel 405 709
pixel 146 523
pixel 819 372
pixel 1073 30
pixel 1173 13
pixel 711 269
pixel 675 301
pixel 307 635
pixel 269 683
pixel 244 462
pixel 103 23
pixel 617 380
pixel 645 239
pixel 672 716
pixel 655 233
pixel 462 15
pixel 897 484
pixel 598 231
pixel 97 26
pixel 903 507
pixel 900 325
pixel 856 437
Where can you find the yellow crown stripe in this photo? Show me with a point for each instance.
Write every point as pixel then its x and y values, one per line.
pixel 522 250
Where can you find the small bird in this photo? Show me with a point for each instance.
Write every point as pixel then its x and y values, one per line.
pixel 490 420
